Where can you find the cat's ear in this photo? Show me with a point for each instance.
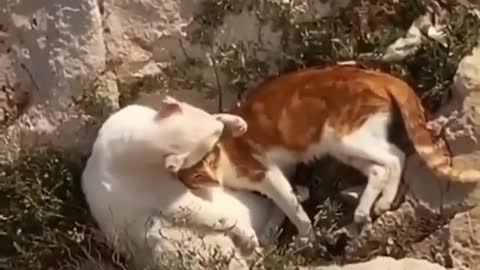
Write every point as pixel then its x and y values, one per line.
pixel 174 162
pixel 168 106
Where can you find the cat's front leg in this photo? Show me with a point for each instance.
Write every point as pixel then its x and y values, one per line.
pixel 234 125
pixel 302 193
pixel 277 187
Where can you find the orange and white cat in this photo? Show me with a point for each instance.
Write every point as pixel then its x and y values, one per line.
pixel 344 111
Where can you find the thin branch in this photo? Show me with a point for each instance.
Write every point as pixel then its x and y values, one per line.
pixel 219 86
pixel 24 67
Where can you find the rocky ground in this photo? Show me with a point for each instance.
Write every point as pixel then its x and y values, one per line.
pixel 65 65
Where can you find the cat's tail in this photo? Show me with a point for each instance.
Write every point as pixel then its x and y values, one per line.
pixel 433 151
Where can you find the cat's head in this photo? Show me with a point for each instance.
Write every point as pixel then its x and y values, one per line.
pixel 185 132
pixel 205 173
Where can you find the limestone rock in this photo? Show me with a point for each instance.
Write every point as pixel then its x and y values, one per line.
pixel 384 263
pixel 464 228
pixel 438 217
pixel 143 38
pixel 51 49
pixel 466 97
pixel 134 28
pixel 466 79
pixel 54 53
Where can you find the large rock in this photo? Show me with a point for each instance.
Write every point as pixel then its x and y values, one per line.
pixel 464 229
pixel 61 59
pixel 180 38
pixel 51 51
pixel 466 98
pixel 437 222
pixel 382 262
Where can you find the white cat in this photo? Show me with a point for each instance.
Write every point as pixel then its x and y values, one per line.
pixel 127 181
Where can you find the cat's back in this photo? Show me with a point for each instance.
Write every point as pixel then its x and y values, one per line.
pixel 335 83
pixel 292 109
pixel 124 134
pixel 130 117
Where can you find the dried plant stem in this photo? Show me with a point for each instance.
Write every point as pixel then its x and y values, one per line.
pixel 219 85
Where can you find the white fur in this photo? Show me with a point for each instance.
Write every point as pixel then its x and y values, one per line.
pixel 366 149
pixel 274 185
pixel 178 133
pixel 126 186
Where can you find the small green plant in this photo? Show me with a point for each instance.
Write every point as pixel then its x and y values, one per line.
pixel 44 221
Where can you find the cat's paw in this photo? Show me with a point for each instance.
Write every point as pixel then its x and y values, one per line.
pixel 238 126
pixel 235 124
pixel 246 238
pixel 302 193
pixel 250 245
pixel 360 216
pixel 382 205
pixel 306 233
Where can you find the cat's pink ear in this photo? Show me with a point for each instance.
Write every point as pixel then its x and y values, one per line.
pixel 168 107
pixel 174 162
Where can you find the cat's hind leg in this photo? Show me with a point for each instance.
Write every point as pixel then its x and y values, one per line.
pixel 378 177
pixel 385 164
